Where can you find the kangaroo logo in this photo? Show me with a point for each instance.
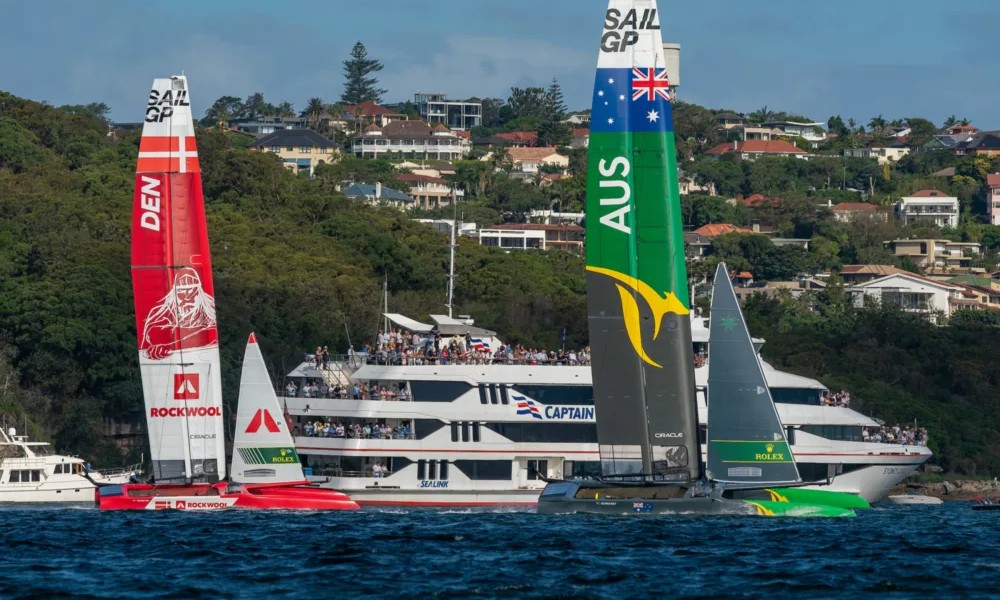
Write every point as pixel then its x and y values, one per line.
pixel 659 305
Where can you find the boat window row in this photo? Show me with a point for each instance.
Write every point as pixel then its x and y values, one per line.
pixel 559 433
pixel 465 431
pixel 24 475
pixel 840 433
pixel 575 395
pixel 492 393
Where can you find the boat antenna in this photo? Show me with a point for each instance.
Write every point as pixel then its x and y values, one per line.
pixel 385 298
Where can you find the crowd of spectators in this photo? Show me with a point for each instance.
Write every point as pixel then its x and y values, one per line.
pixel 366 431
pixel 912 436
pixel 395 347
pixel 840 398
pixel 318 388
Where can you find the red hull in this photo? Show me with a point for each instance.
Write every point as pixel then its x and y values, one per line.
pixel 203 496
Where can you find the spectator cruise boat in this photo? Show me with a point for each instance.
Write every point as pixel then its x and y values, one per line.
pixel 463 434
pixel 30 472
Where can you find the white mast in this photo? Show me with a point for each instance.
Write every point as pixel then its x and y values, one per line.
pixel 385 302
pixel 451 264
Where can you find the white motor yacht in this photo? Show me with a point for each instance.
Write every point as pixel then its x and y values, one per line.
pixel 30 472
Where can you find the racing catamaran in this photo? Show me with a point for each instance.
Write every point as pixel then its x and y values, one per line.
pixel 176 324
pixel 638 312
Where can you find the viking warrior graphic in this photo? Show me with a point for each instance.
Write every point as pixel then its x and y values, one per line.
pixel 183 319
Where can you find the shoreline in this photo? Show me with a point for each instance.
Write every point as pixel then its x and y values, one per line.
pixel 958 490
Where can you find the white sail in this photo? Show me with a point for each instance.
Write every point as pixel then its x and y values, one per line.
pixel 263 450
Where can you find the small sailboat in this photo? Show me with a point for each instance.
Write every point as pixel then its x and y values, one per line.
pixel 266 468
pixel 178 337
pixel 638 306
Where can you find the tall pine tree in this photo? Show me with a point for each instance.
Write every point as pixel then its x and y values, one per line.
pixel 359 85
pixel 552 131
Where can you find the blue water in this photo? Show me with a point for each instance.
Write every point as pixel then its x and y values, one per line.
pixel 891 551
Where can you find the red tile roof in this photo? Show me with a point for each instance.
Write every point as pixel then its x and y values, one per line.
pixel 413 178
pixel 527 138
pixel 368 109
pixel 755 200
pixel 716 229
pixel 758 147
pixel 929 194
pixel 854 207
pixel 529 154
pixel 993 180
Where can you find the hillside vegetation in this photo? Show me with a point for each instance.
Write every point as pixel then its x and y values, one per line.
pixel 301 265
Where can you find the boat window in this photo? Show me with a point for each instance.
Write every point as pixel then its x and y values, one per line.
pixel 482 394
pixel 537 469
pixel 790 434
pixel 475 432
pixel 795 396
pixel 581 468
pixel 425 427
pixel 504 397
pixel 432 469
pixel 15 476
pixel 444 470
pixel 465 432
pixel 843 433
pixel 438 391
pixel 454 432
pixel 494 395
pixel 558 394
pixel 491 470
pixel 421 469
pixel 566 433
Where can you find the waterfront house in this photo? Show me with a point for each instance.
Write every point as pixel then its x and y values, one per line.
pixel 299 149
pixel 436 108
pixel 986 143
pixel 884 154
pixel 411 140
pixel 531 160
pixel 912 293
pixel 378 195
pixel 527 236
pixel 754 149
pixel 929 206
pixel 937 255
pixel 430 192
pixel 846 212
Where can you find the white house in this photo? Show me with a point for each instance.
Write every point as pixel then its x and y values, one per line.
pixel 912 293
pixel 929 206
pixel 531 160
pixel 882 154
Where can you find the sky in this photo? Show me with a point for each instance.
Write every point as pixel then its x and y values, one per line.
pixel 854 58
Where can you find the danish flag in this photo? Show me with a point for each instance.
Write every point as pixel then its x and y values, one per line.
pixel 262 417
pixel 186 386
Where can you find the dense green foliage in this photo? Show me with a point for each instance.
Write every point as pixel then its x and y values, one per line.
pixel 360 84
pixel 301 265
pixel 293 259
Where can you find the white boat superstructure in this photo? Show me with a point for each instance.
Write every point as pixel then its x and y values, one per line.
pixel 487 434
pixel 30 472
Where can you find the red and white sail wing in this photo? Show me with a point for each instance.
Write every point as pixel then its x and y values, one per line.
pixel 263 449
pixel 174 294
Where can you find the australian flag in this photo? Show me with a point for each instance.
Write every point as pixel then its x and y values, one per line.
pixel 527 407
pixel 636 99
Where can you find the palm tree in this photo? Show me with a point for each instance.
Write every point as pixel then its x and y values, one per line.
pixel 877 124
pixel 314 110
pixel 761 115
pixel 852 125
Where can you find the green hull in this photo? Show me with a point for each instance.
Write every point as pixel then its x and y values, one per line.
pixel 824 497
pixel 770 508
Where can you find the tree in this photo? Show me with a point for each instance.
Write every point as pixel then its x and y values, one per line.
pixel 314 110
pixel 761 115
pixel 921 131
pixel 555 103
pixel 836 125
pixel 256 106
pixel 224 109
pixel 525 104
pixel 877 125
pixel 94 110
pixel 359 84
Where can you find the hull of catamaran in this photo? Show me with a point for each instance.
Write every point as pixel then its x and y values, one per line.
pixel 593 497
pixel 221 496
